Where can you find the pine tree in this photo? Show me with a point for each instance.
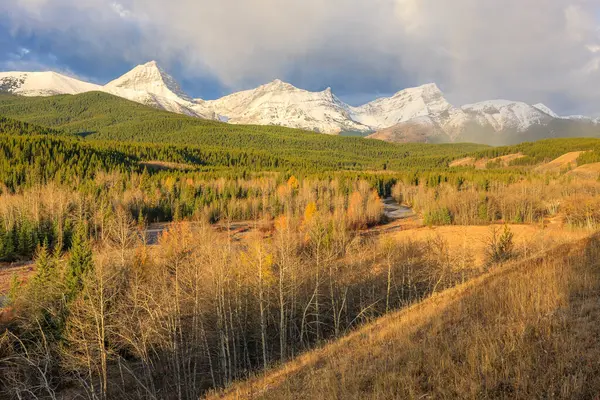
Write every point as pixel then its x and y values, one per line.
pixel 15 288
pixel 44 265
pixel 27 239
pixel 7 247
pixel 80 263
pixel 506 245
pixel 500 247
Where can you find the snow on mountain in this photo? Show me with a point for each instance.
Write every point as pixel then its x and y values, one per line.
pixel 149 78
pixel 505 115
pixel 545 109
pixel 414 114
pixel 151 85
pixel 580 118
pixel 42 84
pixel 422 101
pixel 279 103
pixel 146 84
pixel 412 110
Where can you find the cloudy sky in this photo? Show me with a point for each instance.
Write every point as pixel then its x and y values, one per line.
pixel 530 50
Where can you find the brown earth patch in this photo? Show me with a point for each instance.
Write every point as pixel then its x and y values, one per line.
pixel 483 162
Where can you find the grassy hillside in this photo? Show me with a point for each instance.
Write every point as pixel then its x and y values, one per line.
pixel 528 330
pixel 100 116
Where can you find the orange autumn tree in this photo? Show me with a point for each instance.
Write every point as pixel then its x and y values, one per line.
pixel 293 183
pixel 374 208
pixel 356 217
pixel 309 213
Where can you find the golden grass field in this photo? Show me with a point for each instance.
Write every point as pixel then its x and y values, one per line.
pixel 586 171
pixel 473 239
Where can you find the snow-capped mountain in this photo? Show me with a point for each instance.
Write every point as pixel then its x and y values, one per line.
pixel 414 114
pixel 504 115
pixel 424 109
pixel 42 84
pixel 151 85
pixel 491 122
pixel 149 78
pixel 147 84
pixel 407 104
pixel 582 118
pixel 545 109
pixel 279 103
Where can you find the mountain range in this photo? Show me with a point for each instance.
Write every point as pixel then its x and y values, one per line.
pixel 420 114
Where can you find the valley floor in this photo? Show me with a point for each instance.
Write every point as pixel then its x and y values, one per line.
pixel 467 241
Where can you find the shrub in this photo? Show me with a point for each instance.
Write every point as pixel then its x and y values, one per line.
pixel 440 216
pixel 500 246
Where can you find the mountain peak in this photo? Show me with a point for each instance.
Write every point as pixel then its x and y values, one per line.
pixel 545 109
pixel 430 86
pixel 151 67
pixel 278 84
pixel 428 89
pixel 150 78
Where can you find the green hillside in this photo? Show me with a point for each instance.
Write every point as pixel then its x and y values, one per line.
pixel 11 126
pixel 100 116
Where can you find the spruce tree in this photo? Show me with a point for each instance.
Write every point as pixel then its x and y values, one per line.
pixel 80 263
pixel 7 247
pixel 15 289
pixel 44 265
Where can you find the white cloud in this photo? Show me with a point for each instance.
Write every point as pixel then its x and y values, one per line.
pixel 120 10
pixel 533 50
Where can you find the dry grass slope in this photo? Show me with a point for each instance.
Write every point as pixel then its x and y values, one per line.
pixel 527 330
pixel 483 162
pixel 463 162
pixel 473 239
pixel 561 163
pixel 586 171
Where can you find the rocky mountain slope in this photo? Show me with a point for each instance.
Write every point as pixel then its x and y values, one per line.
pixel 415 114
